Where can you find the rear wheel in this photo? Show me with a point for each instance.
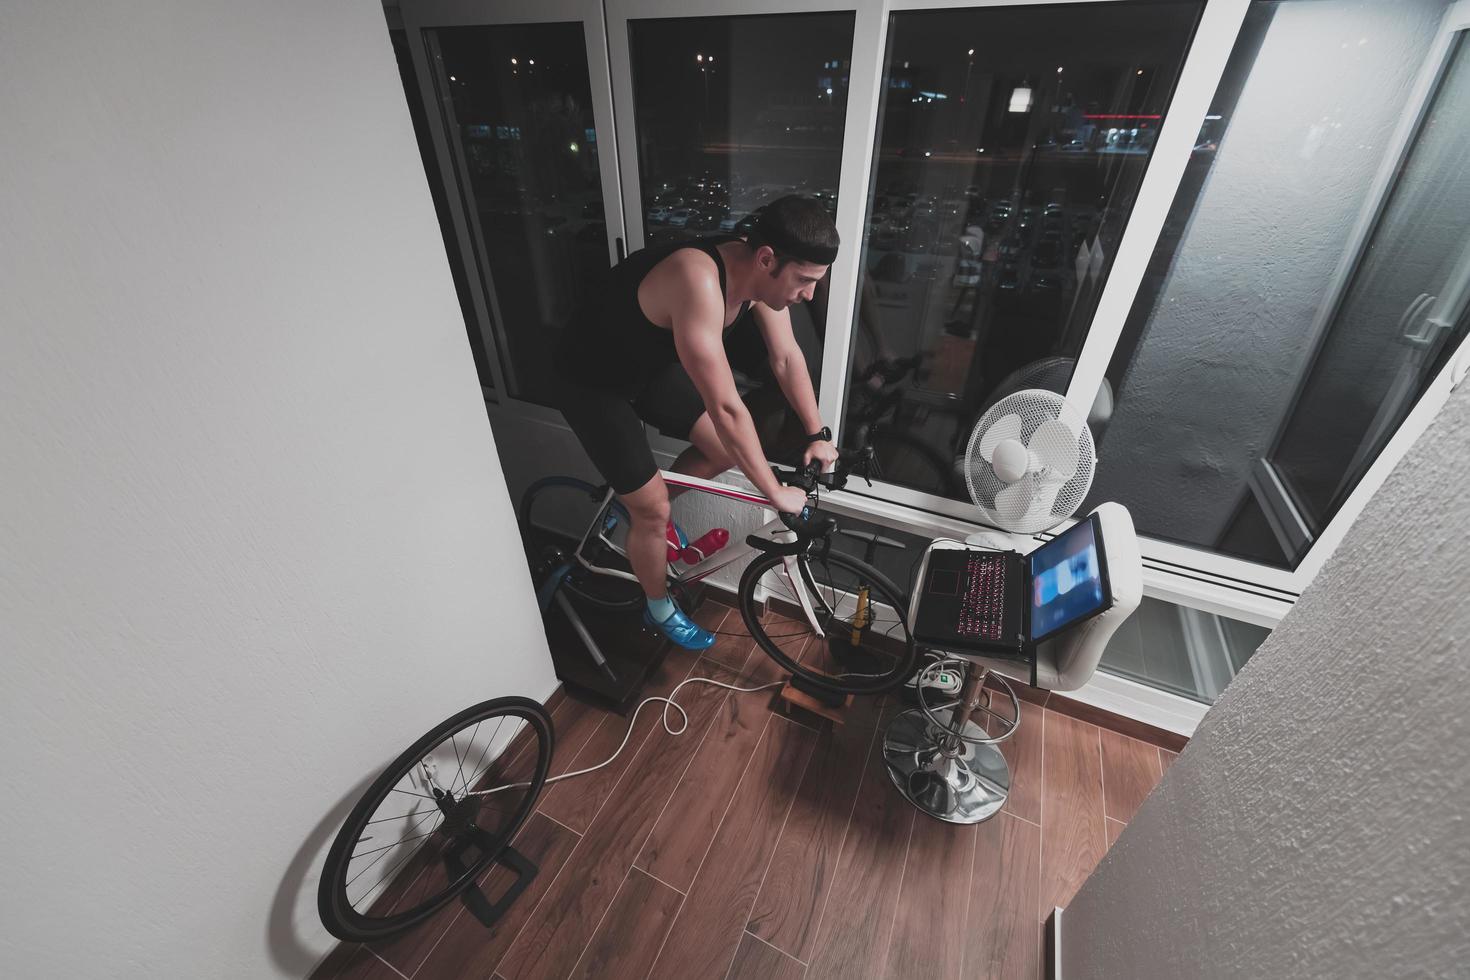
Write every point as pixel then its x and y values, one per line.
pixel 435 819
pixel 554 514
pixel 859 642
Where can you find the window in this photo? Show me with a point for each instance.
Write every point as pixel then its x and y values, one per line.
pixel 1011 145
pixel 519 114
pixel 1273 347
pixel 1184 651
pixel 730 113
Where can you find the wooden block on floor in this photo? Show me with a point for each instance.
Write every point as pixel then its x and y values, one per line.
pixel 837 714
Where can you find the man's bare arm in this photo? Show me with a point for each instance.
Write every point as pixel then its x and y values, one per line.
pixel 698 326
pixel 788 364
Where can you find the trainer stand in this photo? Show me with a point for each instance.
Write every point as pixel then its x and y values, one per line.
pixel 611 670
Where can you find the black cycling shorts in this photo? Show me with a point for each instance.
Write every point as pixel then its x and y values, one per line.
pixel 609 425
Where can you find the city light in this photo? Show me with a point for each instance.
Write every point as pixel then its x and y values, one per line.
pixel 533 61
pixel 699 57
pixel 514 62
pixel 829 91
pixel 1021 99
pixel 1059 69
pixel 972 52
pixel 573 147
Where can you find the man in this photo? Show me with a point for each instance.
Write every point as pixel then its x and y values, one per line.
pixel 653 352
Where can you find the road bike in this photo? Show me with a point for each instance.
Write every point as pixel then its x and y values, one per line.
pixel 441 820
pixel 834 622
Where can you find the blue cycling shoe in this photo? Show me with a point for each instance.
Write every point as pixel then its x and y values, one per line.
pixel 681 630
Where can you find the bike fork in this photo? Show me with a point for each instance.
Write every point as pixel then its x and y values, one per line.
pixel 791 566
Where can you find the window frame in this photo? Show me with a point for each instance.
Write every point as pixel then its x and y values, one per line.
pixel 1173 572
pixel 1265 482
pixel 420 16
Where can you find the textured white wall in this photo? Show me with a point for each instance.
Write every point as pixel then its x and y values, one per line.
pixel 1305 141
pixel 253 532
pixel 1316 824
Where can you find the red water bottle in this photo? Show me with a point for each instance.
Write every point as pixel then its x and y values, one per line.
pixel 707 545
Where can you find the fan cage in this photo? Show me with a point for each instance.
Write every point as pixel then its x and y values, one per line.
pixel 1033 407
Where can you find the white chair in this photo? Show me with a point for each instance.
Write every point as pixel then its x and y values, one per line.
pixel 939 757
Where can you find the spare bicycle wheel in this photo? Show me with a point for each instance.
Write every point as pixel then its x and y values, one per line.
pixel 432 823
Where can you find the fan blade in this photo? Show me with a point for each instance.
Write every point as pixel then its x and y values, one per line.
pixel 1005 427
pixel 1012 503
pixel 1039 516
pixel 1054 446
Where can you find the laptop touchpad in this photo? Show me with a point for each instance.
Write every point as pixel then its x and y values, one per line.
pixel 944 582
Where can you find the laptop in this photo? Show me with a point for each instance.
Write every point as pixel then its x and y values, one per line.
pixel 1003 603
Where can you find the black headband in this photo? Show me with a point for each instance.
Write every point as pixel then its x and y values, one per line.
pixel 769 234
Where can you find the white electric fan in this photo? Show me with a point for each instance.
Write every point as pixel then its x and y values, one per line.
pixel 1028 467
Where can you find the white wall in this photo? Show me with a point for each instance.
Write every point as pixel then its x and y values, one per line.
pixel 1316 826
pixel 253 532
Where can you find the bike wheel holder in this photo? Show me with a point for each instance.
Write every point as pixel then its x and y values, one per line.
pixel 487 913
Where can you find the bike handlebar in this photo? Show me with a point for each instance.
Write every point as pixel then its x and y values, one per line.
pixel 809 524
pixel 892 371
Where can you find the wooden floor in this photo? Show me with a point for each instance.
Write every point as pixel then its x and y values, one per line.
pixel 754 846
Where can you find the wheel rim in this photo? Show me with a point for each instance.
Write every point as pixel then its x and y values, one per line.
pixel 864 646
pixel 554 514
pixel 437 818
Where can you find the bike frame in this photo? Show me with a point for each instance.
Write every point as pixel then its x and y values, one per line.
pixel 732 552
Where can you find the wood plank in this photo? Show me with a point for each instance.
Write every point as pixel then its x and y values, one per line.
pixel 929 929
pixel 1072 834
pixel 1023 754
pixel 552 943
pixel 363 965
pixel 757 961
pixel 1129 771
pixel 687 827
pixel 1114 829
pixel 631 934
pixel 796 888
pixel 1166 759
pixel 576 801
pixel 468 948
pixel 574 722
pixel 853 931
pixel 707 933
pixel 1144 732
pixel 1005 917
pixel 733 642
pixel 338 960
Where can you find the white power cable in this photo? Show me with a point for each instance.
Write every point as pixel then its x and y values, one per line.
pixel 669 702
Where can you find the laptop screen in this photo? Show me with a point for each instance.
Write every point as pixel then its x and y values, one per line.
pixel 1069 580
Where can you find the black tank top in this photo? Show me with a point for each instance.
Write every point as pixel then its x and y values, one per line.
pixel 612 345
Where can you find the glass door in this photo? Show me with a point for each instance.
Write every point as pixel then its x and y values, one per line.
pixel 519 107
pixel 1386 344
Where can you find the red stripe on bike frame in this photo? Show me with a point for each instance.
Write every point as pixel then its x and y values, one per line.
pixel 718 490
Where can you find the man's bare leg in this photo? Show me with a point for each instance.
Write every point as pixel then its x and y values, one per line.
pixel 648 508
pixel 706 457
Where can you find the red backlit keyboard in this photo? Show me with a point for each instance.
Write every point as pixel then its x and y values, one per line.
pixel 982 598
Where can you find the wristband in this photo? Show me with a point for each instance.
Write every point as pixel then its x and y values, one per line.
pixel 823 435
